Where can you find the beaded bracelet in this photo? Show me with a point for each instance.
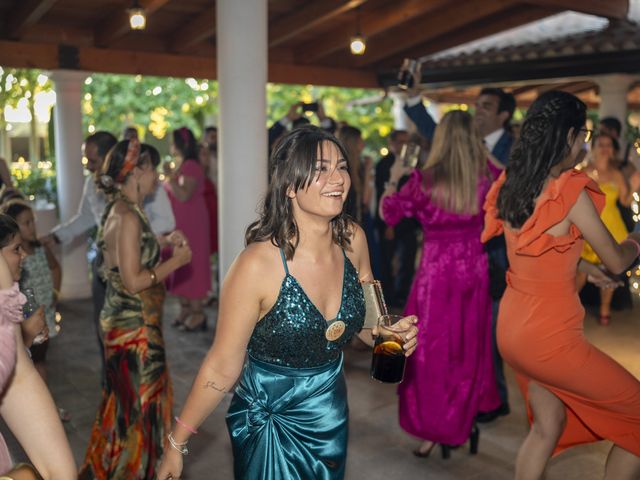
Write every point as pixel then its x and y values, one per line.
pixel 180 447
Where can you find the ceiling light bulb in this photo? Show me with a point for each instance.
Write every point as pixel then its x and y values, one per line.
pixel 358 45
pixel 137 19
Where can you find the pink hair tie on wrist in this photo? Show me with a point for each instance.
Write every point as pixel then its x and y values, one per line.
pixel 634 243
pixel 184 425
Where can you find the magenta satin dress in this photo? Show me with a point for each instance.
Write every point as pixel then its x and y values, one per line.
pixel 450 377
pixel 192 281
pixel 11 301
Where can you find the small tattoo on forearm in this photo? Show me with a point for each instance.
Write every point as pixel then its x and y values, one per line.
pixel 215 386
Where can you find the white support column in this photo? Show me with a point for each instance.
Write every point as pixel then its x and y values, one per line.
pixel 613 96
pixel 68 138
pixel 241 37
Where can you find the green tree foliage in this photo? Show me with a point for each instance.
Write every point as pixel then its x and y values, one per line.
pixel 367 109
pixel 154 105
pixel 21 86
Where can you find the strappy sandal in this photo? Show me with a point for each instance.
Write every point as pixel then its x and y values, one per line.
pixel 195 326
pixel 180 319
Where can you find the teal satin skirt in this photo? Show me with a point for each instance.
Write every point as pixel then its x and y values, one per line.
pixel 289 423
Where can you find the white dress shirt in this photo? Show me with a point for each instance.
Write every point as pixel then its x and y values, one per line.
pixel 91 209
pixel 491 139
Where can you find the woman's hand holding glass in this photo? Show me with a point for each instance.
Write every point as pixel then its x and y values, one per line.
pixel 182 253
pixel 409 332
pixel 399 170
pixel 34 327
pixel 176 238
pixel 181 249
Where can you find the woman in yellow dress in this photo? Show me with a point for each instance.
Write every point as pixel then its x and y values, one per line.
pixel 611 181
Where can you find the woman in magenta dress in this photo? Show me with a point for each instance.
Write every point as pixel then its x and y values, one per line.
pixel 451 377
pixel 185 187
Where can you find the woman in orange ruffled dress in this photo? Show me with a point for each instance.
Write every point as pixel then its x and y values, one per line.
pixel 574 392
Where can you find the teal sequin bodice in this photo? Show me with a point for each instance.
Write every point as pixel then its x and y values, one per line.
pixel 292 333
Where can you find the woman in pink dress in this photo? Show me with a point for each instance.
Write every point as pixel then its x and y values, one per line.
pixel 451 376
pixel 185 187
pixel 207 160
pixel 27 406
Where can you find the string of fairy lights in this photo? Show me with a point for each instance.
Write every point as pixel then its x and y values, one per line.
pixel 634 273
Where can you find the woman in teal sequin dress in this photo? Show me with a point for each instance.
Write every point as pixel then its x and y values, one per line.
pixel 290 302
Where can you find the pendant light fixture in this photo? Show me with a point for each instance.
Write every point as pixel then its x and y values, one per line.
pixel 358 43
pixel 137 17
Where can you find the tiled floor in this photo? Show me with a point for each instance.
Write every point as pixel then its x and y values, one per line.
pixel 378 448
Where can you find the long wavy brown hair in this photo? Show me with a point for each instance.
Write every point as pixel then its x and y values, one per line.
pixel 542 146
pixel 456 160
pixel 293 166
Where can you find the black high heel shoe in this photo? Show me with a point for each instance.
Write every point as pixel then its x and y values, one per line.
pixel 424 454
pixel 444 449
pixel 474 440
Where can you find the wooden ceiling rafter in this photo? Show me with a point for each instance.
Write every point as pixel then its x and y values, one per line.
pixel 26 14
pixel 57 34
pixel 117 25
pixel 430 26
pixel 565 86
pixel 372 23
pixel 194 32
pixel 305 19
pixel 581 87
pixel 524 90
pixel 107 60
pixel 313 37
pixel 603 8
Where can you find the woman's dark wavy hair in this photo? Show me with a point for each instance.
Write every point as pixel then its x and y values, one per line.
pixel 293 166
pixel 542 145
pixel 185 142
pixel 105 178
pixel 8 230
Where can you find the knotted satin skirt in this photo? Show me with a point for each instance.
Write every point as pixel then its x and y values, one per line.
pixel 289 423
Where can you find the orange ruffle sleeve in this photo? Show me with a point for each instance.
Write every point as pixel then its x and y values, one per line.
pixel 552 206
pixel 493 225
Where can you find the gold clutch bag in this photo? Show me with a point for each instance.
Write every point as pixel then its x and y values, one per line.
pixel 374 303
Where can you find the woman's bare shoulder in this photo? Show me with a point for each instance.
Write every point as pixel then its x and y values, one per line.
pixel 356 235
pixel 258 259
pixel 358 247
pixel 122 216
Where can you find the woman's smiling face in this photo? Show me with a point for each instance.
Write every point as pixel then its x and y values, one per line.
pixel 327 191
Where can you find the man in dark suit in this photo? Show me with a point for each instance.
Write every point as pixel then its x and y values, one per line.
pixel 494 109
